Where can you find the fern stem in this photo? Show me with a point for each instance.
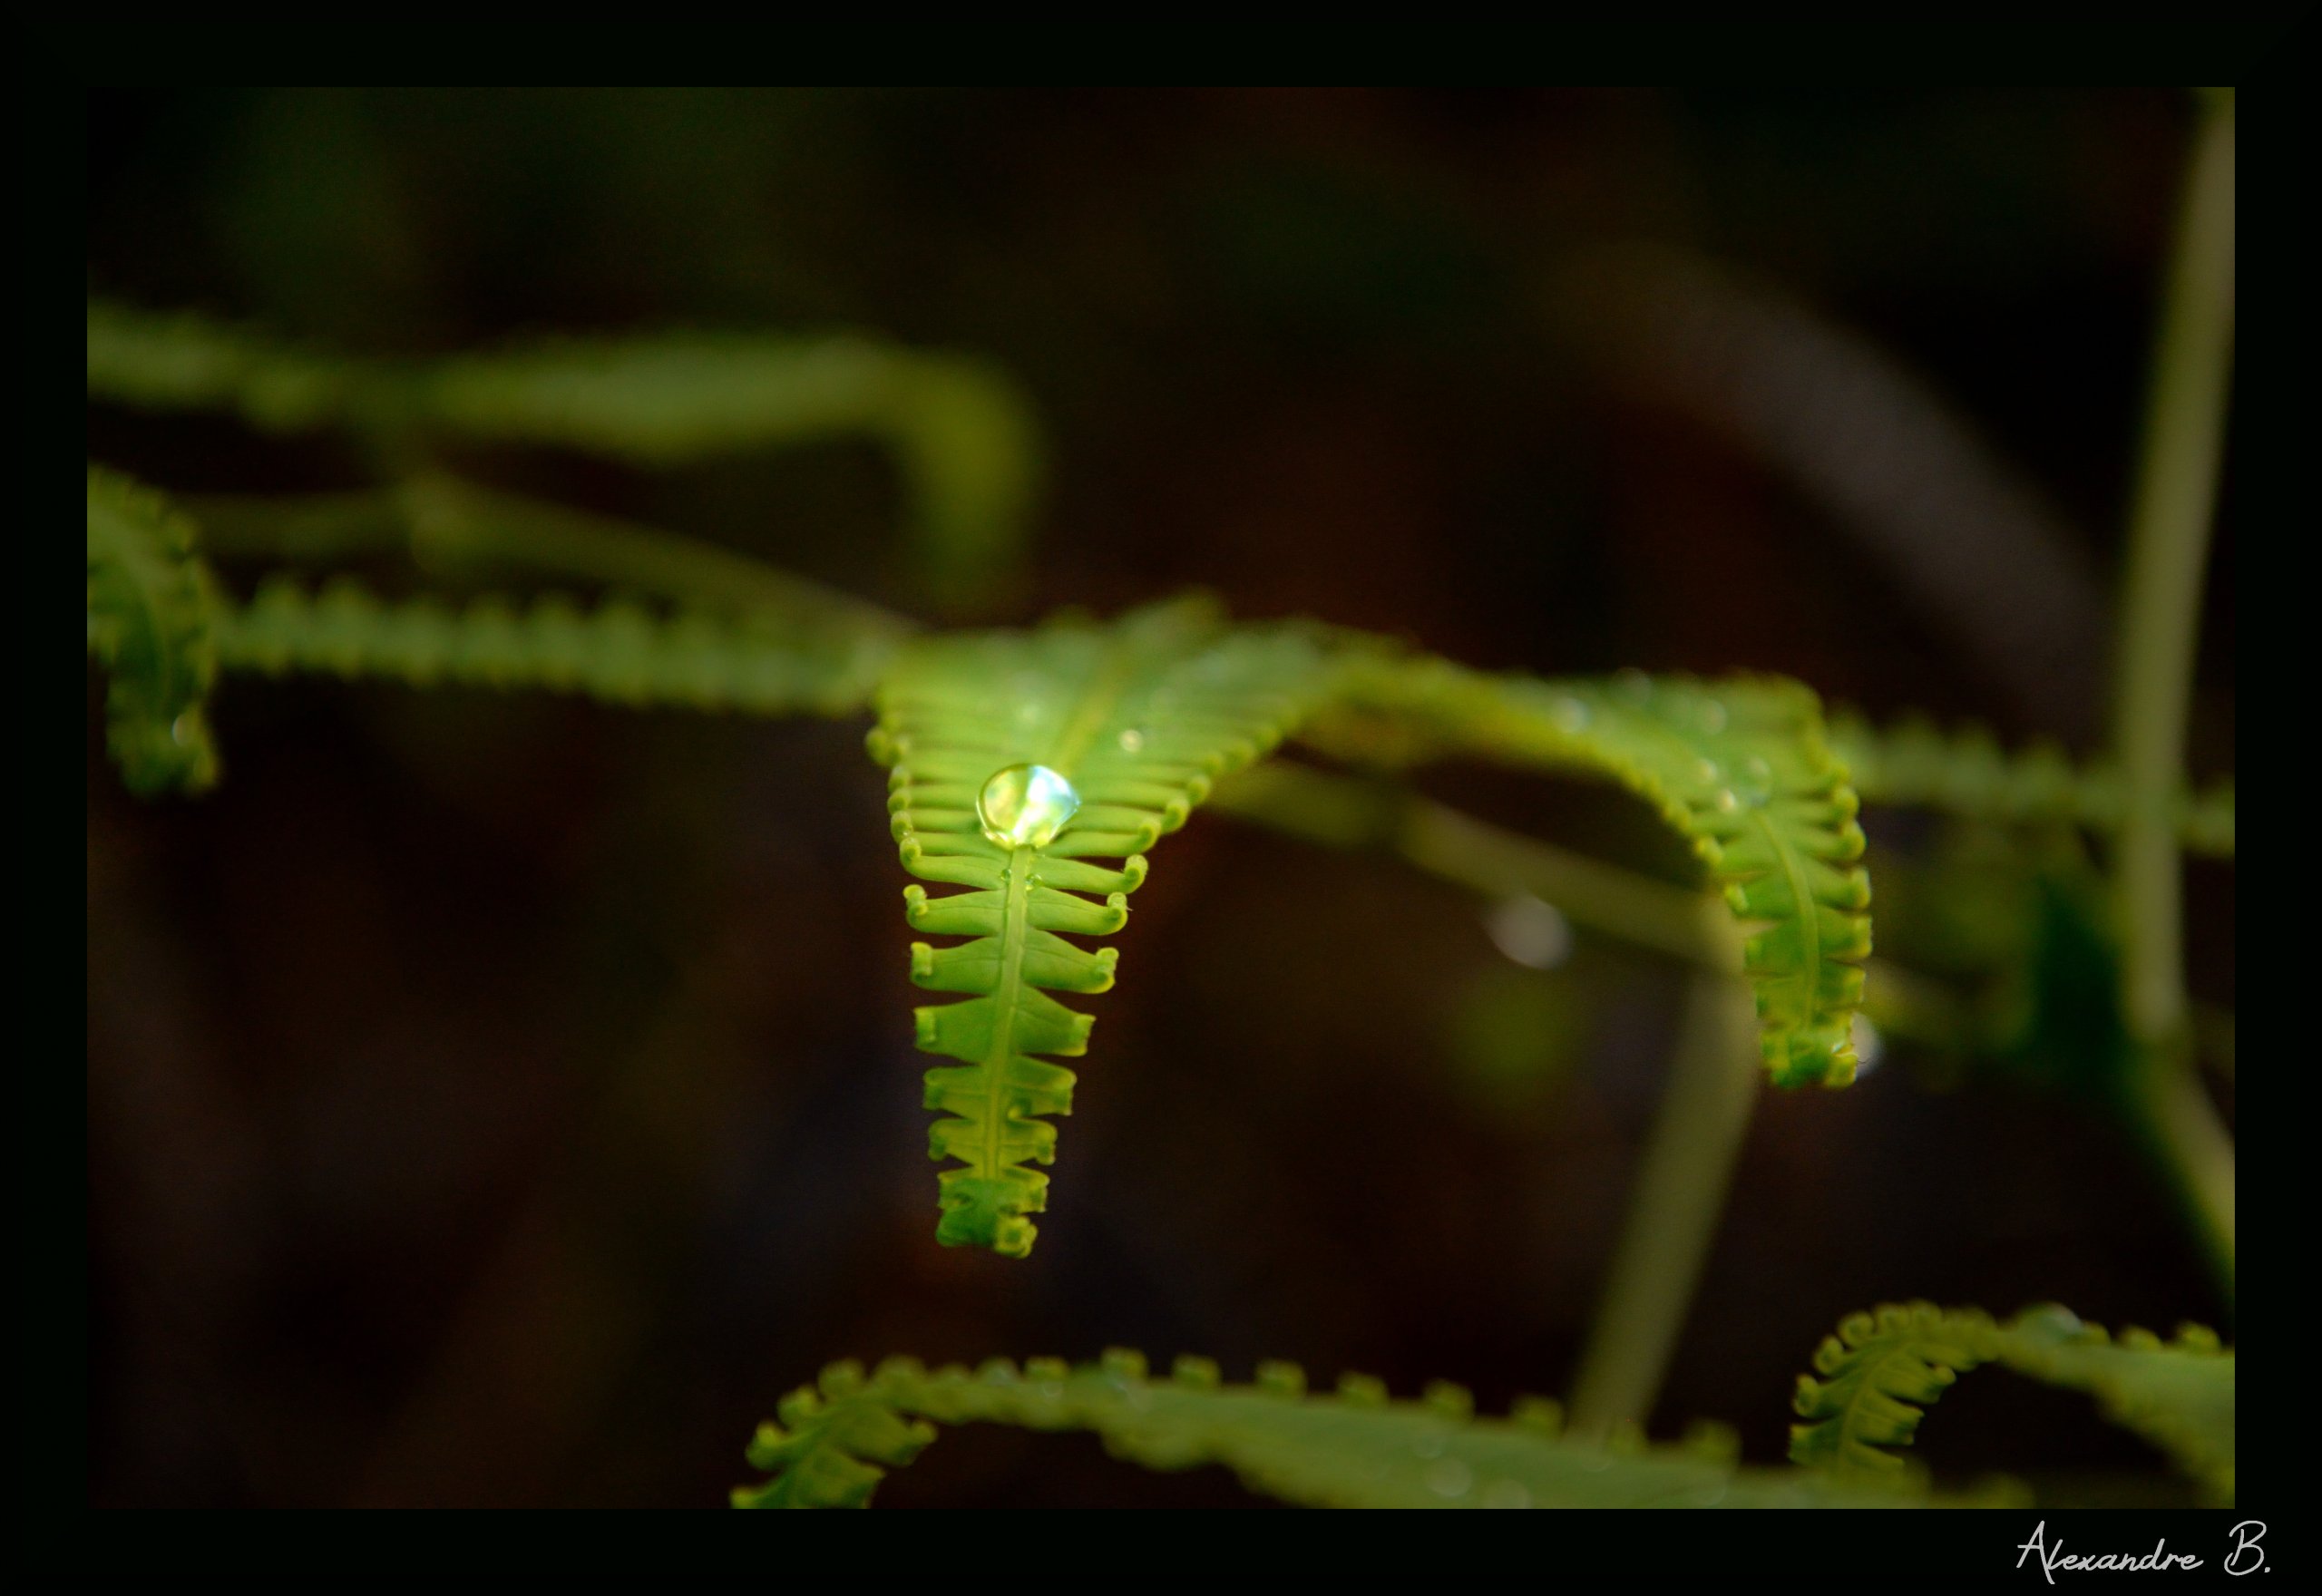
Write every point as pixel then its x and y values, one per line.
pixel 2168 549
pixel 1680 1194
pixel 2182 1131
pixel 300 529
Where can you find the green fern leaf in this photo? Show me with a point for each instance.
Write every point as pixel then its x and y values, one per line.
pixel 1739 768
pixel 618 652
pixel 150 615
pixel 1355 1448
pixel 1882 1369
pixel 1966 773
pixel 1140 718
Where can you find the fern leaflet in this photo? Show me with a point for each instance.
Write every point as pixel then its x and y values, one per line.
pixel 151 612
pixel 1356 1448
pixel 1882 1369
pixel 1139 717
pixel 1739 768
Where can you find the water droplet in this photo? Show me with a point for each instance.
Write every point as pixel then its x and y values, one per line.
pixel 1728 799
pixel 1532 933
pixel 181 730
pixel 1570 714
pixel 1708 769
pixel 1756 786
pixel 1451 1478
pixel 1712 715
pixel 1025 806
pixel 1868 1045
pixel 1507 1493
pixel 1633 685
pixel 1430 1445
pixel 1132 741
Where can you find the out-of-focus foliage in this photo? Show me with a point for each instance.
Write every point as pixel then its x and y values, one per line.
pixel 150 615
pixel 1883 1369
pixel 1354 1449
pixel 960 431
pixel 486 1100
pixel 1967 773
pixel 621 652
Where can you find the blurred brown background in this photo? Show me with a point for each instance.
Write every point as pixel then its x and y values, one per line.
pixel 503 1100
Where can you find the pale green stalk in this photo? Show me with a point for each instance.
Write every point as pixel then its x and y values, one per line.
pixel 1681 1181
pixel 2169 537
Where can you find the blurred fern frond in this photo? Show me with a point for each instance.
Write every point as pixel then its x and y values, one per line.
pixel 1353 1448
pixel 1882 1369
pixel 1966 773
pixel 619 651
pixel 961 431
pixel 152 612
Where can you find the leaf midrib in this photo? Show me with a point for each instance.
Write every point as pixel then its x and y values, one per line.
pixel 1809 929
pixel 1097 701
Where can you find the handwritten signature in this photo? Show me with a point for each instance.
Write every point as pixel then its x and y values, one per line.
pixel 2246 1556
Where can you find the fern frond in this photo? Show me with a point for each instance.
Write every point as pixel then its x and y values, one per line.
pixel 1139 717
pixel 1739 768
pixel 1966 773
pixel 2176 1394
pixel 1355 1448
pixel 1882 1369
pixel 151 613
pixel 617 651
pixel 183 361
pixel 962 433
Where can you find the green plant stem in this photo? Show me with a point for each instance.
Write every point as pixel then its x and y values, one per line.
pixel 301 529
pixel 2168 551
pixel 442 522
pixel 2181 1130
pixel 1686 1169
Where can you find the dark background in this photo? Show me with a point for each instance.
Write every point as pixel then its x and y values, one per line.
pixel 504 1100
